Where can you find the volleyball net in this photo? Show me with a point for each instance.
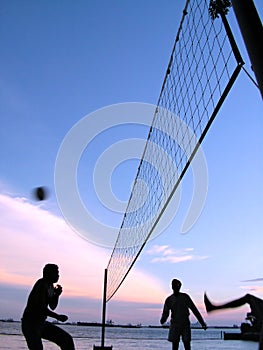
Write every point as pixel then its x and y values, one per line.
pixel 203 66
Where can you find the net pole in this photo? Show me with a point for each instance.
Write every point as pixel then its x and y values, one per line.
pixel 103 321
pixel 104 309
pixel 252 33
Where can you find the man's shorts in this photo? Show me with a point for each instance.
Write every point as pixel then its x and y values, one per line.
pixel 177 330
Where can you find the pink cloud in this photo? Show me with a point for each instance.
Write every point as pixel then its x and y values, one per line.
pixel 31 236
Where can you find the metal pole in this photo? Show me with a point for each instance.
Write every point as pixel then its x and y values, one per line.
pixel 103 323
pixel 252 32
pixel 104 309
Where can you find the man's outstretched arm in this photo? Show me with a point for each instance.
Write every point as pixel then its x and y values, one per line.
pixel 197 314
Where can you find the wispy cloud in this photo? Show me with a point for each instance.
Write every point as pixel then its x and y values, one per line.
pixel 165 253
pixel 253 288
pixel 254 280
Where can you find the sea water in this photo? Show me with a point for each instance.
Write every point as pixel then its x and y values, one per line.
pixel 144 338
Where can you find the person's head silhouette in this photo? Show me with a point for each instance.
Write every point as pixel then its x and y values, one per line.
pixel 51 273
pixel 176 285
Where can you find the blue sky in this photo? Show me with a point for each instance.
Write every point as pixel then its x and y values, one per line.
pixel 63 61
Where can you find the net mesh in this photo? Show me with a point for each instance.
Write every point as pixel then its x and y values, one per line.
pixel 203 66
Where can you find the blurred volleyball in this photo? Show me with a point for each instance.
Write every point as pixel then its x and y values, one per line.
pixel 40 193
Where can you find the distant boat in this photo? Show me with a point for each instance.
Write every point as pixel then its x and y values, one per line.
pixel 131 325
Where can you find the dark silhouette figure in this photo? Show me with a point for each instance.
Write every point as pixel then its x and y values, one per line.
pixel 252 327
pixel 179 304
pixel 43 297
pixel 256 306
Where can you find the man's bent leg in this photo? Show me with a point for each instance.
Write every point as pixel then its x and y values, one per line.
pixel 58 336
pixel 32 334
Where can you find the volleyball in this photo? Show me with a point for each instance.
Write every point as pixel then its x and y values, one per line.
pixel 40 193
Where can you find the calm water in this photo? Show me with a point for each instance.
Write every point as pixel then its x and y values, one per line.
pixel 126 339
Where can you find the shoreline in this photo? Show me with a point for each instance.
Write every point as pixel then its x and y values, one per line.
pixel 129 325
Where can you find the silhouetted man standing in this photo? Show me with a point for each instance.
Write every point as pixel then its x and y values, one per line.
pixel 34 325
pixel 179 304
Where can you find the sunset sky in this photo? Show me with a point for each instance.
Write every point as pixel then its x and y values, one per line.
pixel 62 61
